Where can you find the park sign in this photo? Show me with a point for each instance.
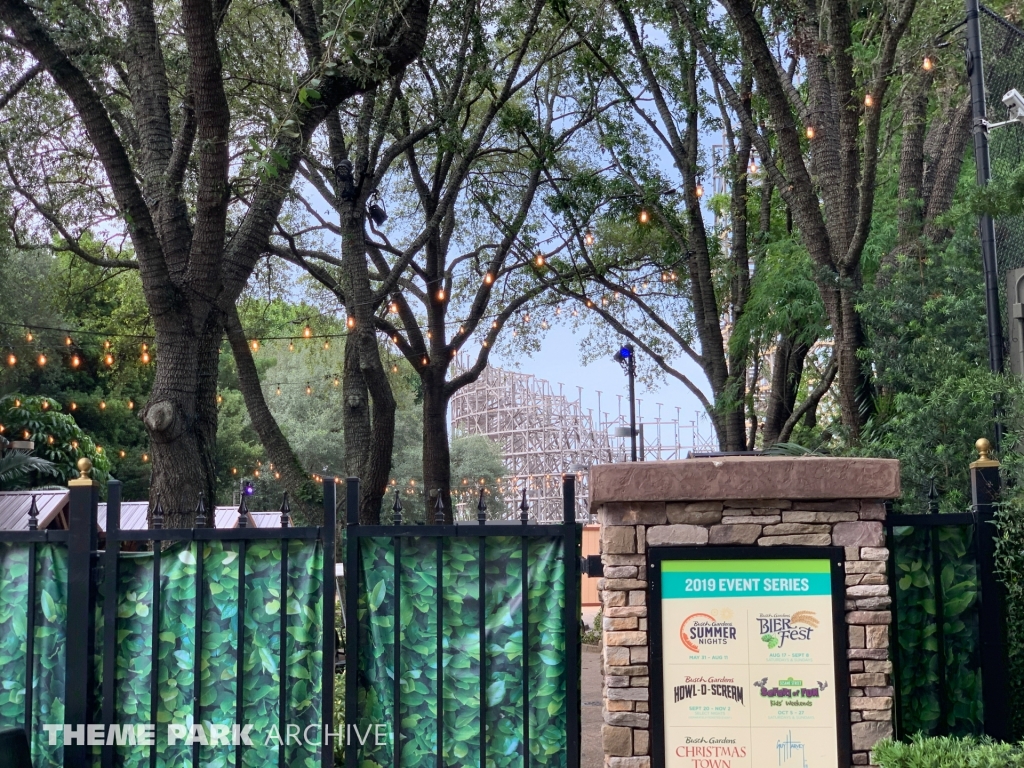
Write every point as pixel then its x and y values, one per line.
pixel 748 658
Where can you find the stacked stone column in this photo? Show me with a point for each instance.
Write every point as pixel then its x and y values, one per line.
pixel 723 502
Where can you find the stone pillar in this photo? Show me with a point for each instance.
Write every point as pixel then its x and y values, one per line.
pixel 742 501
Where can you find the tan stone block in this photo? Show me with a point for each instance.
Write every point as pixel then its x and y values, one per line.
pixel 615 656
pixel 758 504
pixel 861 703
pixel 873 690
pixel 636 611
pixel 699 513
pixel 878 714
pixel 885 667
pixel 616 740
pixel 869 617
pixel 621 584
pixel 873 603
pixel 856 637
pixel 852 553
pixel 629 762
pixel 634 513
pixel 878 636
pixel 642 706
pixel 840 505
pixel 734 534
pixel 667 535
pixel 874 553
pixel 862 679
pixel 641 742
pixel 637 694
pixel 628 622
pixel 616 681
pixel 620 571
pixel 854 579
pixel 855 666
pixel 620 706
pixel 643 625
pixel 638 597
pixel 868 590
pixel 625 638
pixel 630 719
pixel 874 578
pixel 641 539
pixel 613 599
pixel 637 560
pixel 855 717
pixel 799 540
pixel 618 540
pixel 640 682
pixel 865 566
pixel 805 516
pixel 638 654
pixel 629 670
pixel 751 520
pixel 784 529
pixel 859 534
pixel 872 510
pixel 878 654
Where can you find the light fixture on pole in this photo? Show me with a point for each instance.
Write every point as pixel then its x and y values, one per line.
pixel 627 359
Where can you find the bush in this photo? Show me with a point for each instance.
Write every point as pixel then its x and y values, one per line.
pixel 947 752
pixel 593 636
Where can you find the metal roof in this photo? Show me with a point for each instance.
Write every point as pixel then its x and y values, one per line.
pixel 14 507
pixel 134 516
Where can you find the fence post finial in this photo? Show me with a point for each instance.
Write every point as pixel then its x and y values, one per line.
pixel 983 447
pixel 524 509
pixel 33 515
pixel 396 508
pixel 243 513
pixel 201 512
pixel 439 509
pixel 481 509
pixel 158 514
pixel 286 512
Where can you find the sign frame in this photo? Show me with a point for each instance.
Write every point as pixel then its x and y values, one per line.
pixel 837 559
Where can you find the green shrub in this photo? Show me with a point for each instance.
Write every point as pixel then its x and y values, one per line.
pixel 947 752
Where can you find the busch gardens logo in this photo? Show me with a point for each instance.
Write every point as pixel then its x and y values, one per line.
pixel 699 629
pixel 775 630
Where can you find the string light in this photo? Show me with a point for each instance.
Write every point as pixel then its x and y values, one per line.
pixel 46 405
pixel 393 307
pixel 426 361
pixel 131 405
pixel 869 100
pixel 588 238
pixel 106 344
pixel 309 389
pixel 29 337
pixel 336 382
pixel 928 65
pixel 49 440
pixel 752 168
pixel 109 360
pixel 145 358
pixel 12 360
pixel 327 344
pixel 809 132
pixel 145 458
pixel 73 406
pixel 307 332
pixel 488 278
pixel 278 390
pixel 220 399
pixel 644 216
pixel 103 405
pixel 699 190
pixel 255 344
pixel 74 443
pixel 234 470
pixel 539 259
pixel 291 346
pixel 394 369
pixel 121 454
pixel 440 295
pixel 42 360
pixel 67 341
pixel 350 322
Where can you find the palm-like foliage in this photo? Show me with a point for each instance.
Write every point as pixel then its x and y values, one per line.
pixel 15 468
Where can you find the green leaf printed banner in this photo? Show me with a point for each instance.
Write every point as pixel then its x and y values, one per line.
pixel 50 601
pixel 459 585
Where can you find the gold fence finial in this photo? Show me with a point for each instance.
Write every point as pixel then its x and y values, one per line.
pixel 983 447
pixel 84 473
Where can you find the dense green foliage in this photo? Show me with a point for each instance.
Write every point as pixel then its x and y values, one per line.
pixel 947 752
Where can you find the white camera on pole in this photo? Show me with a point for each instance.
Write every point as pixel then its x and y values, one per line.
pixel 1015 105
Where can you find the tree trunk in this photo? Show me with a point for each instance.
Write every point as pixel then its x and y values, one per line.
pixel 437 470
pixel 181 419
pixel 787 372
pixel 306 495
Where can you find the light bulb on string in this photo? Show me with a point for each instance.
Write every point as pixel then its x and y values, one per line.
pixel 103 405
pixel 220 399
pixel 67 341
pixel 45 406
pixel 49 440
pixel 121 454
pixel 291 346
pixel 426 361
pixel 488 278
pixel 73 405
pixel 309 390
pixel 928 65
pixel 131 405
pixel 350 322
pixel 146 358
pixel 588 238
pixel 29 337
pixel 109 360
pixel 394 369
pixel 145 458
pixel 336 381
pixel 278 392
pixel 106 344
pixel 255 344
pixel 12 360
pixel 539 259
pixel 645 217
pixel 327 344
pixel 494 324
pixel 440 295
pixel 752 168
pixel 809 132
pixel 41 360
pixel 393 307
pixel 307 332
pixel 869 100
pixel 699 190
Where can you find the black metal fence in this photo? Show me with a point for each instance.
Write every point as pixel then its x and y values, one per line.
pixel 465 638
pixel 142 626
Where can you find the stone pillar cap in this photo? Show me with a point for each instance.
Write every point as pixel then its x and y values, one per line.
pixel 745 477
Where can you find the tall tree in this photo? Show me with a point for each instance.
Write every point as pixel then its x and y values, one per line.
pixel 159 129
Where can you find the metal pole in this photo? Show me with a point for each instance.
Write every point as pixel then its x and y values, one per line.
pixel 986 227
pixel 632 402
